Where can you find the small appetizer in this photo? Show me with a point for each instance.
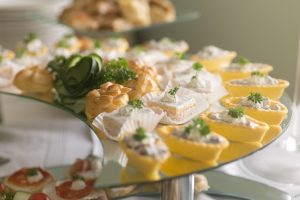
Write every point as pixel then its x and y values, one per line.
pixel 258 82
pixel 234 125
pixel 109 97
pixel 36 82
pixel 180 104
pixel 31 46
pixel 136 11
pixel 145 152
pixel 67 45
pixel 213 58
pixel 6 54
pixel 146 56
pixel 8 69
pixel 162 11
pixel 168 46
pixel 30 180
pixel 243 69
pixel 259 107
pixel 89 168
pixel 75 188
pixel 126 119
pixel 194 141
pixel 143 84
pixel 201 183
pixel 118 44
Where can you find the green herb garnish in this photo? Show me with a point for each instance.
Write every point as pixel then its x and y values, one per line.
pixel 140 134
pixel 77 177
pixel 173 91
pixel 7 194
pixel 1 58
pixel 117 71
pixel 21 52
pixel 255 97
pixel 32 172
pixel 257 73
pixel 181 56
pixel 63 44
pixel 29 38
pixel 140 48
pixel 236 112
pixel 197 66
pixel 97 44
pixel 136 103
pixel 199 125
pixel 243 60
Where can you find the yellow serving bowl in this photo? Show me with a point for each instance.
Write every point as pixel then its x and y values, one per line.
pixel 237 133
pixel 271 117
pixel 146 165
pixel 231 75
pixel 208 153
pixel 271 91
pixel 215 64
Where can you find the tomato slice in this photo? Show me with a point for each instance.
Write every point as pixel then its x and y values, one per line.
pixel 19 178
pixel 64 190
pixel 39 196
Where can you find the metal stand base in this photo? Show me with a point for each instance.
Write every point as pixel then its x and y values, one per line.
pixel 178 189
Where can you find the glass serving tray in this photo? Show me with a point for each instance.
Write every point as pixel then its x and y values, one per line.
pixel 115 160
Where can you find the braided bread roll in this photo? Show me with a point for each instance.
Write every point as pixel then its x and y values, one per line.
pixel 109 97
pixel 144 83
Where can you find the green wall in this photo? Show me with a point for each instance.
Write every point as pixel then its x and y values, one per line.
pixel 262 30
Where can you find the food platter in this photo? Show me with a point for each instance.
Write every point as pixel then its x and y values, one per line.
pixel 68 84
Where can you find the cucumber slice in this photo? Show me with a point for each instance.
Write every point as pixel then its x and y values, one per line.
pixel 22 196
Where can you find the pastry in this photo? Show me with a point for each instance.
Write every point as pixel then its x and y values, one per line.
pixel 143 84
pixel 75 188
pixel 146 56
pixel 214 58
pixel 180 104
pixel 126 119
pixel 162 11
pixel 89 168
pixel 29 180
pixel 168 46
pixel 234 125
pixel 107 98
pixel 263 84
pixel 243 69
pixel 145 152
pixel 194 141
pixel 67 45
pixel 136 11
pixel 261 108
pixel 31 46
pixel 36 82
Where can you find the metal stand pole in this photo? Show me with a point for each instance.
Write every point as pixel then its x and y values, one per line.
pixel 178 189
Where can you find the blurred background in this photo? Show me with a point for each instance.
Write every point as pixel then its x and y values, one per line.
pixel 264 31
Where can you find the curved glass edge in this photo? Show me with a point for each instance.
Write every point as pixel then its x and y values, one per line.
pixel 285 100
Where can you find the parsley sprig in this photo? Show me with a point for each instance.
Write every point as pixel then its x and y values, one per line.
pixel 173 91
pixel 257 73
pixel 243 60
pixel 97 44
pixel 236 112
pixel 181 56
pixel 117 71
pixel 1 58
pixel 199 125
pixel 32 172
pixel 140 134
pixel 136 103
pixel 197 66
pixel 7 194
pixel 255 97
